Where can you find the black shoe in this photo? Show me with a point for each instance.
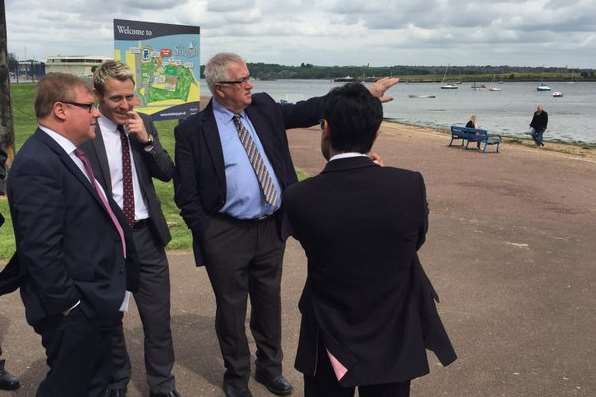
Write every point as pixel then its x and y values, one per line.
pixel 173 393
pixel 232 391
pixel 278 385
pixel 116 392
pixel 8 381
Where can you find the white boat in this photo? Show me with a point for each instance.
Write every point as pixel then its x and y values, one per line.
pixel 557 94
pixel 543 87
pixel 495 89
pixel 421 96
pixel 447 86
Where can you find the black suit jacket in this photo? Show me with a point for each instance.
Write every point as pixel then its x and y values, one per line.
pixel 153 164
pixel 366 294
pixel 67 245
pixel 200 181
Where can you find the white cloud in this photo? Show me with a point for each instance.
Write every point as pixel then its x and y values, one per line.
pixel 380 32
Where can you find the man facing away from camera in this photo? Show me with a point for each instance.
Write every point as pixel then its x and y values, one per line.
pixel 367 306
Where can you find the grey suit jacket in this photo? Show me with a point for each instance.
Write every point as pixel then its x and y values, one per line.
pixel 149 164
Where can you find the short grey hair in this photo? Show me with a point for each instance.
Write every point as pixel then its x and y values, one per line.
pixel 110 70
pixel 216 69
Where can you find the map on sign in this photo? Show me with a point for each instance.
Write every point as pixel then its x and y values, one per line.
pixel 165 62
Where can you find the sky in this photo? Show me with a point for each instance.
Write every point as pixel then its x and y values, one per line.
pixel 327 32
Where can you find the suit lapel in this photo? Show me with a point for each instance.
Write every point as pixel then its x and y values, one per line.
pixel 102 161
pixel 265 134
pixel 68 163
pixel 211 134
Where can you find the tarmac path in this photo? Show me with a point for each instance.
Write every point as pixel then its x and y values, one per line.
pixel 510 251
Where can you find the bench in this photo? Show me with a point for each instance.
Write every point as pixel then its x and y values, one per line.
pixel 481 137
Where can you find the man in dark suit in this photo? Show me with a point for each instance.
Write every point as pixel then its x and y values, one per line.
pixel 70 241
pixel 126 155
pixel 232 165
pixel 367 306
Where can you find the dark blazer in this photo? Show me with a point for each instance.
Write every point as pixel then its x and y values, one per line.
pixel 366 294
pixel 66 242
pixel 153 164
pixel 539 121
pixel 200 181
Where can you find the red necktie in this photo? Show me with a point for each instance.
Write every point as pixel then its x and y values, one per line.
pixel 89 171
pixel 128 198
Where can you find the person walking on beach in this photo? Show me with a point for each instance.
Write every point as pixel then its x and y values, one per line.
pixel 232 165
pixel 538 125
pixel 367 306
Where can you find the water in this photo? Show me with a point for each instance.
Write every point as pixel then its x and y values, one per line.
pixel 572 118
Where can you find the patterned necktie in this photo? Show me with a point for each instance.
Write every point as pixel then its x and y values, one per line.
pixel 128 198
pixel 265 181
pixel 89 171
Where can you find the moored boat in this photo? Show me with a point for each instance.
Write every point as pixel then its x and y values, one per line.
pixel 543 87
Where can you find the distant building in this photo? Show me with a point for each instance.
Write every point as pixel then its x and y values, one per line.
pixel 82 66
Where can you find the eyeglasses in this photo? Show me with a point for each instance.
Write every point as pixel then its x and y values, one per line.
pixel 239 81
pixel 88 106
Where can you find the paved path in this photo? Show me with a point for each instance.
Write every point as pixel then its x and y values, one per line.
pixel 510 251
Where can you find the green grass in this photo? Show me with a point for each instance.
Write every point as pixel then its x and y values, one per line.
pixel 25 124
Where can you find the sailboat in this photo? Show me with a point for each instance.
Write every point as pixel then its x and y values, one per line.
pixel 493 88
pixel 447 86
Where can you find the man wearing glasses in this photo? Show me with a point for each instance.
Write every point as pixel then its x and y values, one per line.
pixel 126 155
pixel 232 165
pixel 71 241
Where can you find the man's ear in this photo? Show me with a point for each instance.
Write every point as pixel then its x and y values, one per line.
pixel 59 111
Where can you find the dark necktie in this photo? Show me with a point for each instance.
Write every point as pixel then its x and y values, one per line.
pixel 89 171
pixel 265 181
pixel 128 197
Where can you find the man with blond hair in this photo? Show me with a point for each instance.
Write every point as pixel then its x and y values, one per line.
pixel 126 155
pixel 71 241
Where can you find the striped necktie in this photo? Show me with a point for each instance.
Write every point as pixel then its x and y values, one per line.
pixel 263 176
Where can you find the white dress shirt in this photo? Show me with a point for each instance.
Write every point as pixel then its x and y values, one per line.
pixel 113 145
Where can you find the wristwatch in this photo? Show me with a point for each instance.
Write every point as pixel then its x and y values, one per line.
pixel 149 142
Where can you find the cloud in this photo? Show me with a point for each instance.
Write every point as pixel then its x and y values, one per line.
pixel 532 32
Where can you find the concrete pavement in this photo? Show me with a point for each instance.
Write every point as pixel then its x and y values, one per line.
pixel 510 251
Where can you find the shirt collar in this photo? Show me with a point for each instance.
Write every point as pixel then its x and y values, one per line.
pixel 107 125
pixel 61 140
pixel 223 114
pixel 347 155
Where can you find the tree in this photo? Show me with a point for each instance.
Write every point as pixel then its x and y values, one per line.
pixel 6 127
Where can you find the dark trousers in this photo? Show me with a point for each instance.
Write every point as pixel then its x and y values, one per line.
pixel 78 355
pixel 244 258
pixel 325 384
pixel 538 137
pixel 153 302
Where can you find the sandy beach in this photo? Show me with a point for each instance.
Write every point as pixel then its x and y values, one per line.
pixel 509 250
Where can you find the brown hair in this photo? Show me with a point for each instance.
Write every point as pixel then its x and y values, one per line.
pixel 110 70
pixel 56 87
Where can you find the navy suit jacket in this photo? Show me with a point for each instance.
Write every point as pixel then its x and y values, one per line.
pixel 200 180
pixel 67 246
pixel 366 298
